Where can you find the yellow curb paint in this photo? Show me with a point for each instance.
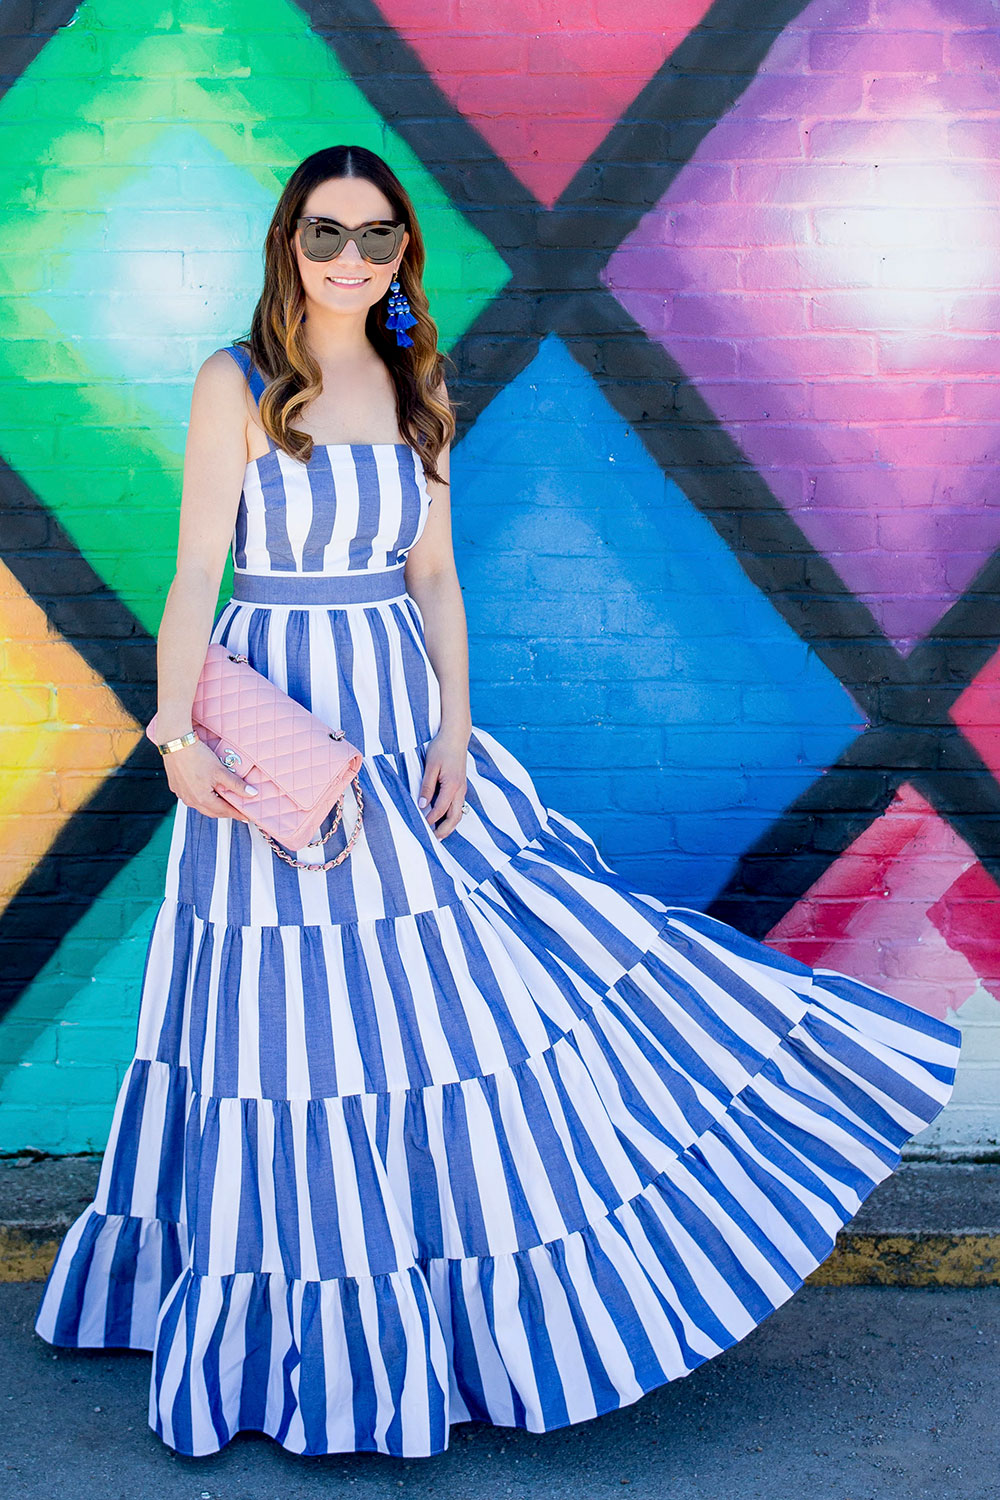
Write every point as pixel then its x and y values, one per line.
pixel 857 1260
pixel 26 1255
pixel 911 1260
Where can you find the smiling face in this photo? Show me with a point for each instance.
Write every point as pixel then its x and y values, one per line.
pixel 348 284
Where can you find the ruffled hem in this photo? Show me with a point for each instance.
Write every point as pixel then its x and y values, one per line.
pixel 547 1335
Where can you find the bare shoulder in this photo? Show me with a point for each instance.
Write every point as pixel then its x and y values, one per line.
pixel 221 376
pixel 221 393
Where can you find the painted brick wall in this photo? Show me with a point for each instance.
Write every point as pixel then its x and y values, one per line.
pixel 723 304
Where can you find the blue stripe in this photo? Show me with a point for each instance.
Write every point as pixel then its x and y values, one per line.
pixel 485 979
pixel 388 729
pixel 583 1144
pixel 415 671
pixel 359 551
pixel 453 1014
pixel 544 1362
pixel 364 1405
pixel 213 1381
pixel 123 1164
pixel 169 1323
pixel 463 1184
pixel 250 1228
pixel 323 1207
pixel 487 1281
pixel 256 1371
pixel 225 1068
pixel 168 1043
pixel 465 1361
pixel 412 498
pixel 238 871
pixel 325 589
pixel 317 1020
pixel 417 1067
pixel 291 1361
pixel 67 1321
pixel 276 541
pixel 196 868
pixel 323 500
pixel 364 1015
pixel 181 1410
pixel 171 1164
pixel 392 1347
pixel 375 1222
pixel 525 1224
pixel 271 1014
pixel 602 1386
pixel 377 832
pixel 286 1211
pixel 298 663
pixel 312 1386
pixel 202 1159
pixel 240 534
pixel 200 998
pixel 425 1207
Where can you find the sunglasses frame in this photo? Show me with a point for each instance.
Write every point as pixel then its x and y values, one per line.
pixel 397 226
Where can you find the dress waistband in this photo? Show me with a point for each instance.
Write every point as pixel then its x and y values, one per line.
pixel 324 589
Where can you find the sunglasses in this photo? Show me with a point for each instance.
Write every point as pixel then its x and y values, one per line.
pixel 323 239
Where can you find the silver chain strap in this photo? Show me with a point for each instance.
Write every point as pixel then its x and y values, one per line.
pixel 301 864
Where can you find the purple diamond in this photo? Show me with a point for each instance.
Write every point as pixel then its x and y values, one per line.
pixel 825 271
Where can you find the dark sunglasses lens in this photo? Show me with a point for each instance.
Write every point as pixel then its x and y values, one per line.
pixel 378 243
pixel 321 241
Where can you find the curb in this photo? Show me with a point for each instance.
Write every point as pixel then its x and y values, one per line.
pixel 928 1224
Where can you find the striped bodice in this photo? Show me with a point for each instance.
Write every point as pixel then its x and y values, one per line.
pixel 354 507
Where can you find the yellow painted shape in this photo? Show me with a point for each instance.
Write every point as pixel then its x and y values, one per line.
pixel 62 732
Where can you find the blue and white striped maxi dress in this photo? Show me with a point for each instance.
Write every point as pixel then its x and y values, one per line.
pixel 465 1128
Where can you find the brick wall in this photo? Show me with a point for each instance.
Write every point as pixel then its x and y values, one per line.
pixel 723 303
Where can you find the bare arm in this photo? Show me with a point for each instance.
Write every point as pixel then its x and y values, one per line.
pixel 432 579
pixel 215 461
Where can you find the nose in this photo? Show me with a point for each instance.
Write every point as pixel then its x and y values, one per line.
pixel 350 258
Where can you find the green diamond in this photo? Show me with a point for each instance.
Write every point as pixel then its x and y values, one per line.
pixel 133 247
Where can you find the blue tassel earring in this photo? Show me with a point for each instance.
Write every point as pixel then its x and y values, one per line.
pixel 400 316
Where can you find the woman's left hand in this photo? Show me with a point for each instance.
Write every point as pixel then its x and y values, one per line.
pixel 444 771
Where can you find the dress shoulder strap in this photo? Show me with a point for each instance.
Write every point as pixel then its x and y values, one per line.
pixel 254 378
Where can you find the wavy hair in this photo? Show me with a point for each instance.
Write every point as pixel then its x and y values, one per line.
pixel 276 342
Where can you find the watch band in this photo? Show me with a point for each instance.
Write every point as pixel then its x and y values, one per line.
pixel 169 746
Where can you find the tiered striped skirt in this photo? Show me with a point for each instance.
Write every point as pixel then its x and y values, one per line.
pixel 465 1128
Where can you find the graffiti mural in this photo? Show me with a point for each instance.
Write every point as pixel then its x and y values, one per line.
pixel 723 298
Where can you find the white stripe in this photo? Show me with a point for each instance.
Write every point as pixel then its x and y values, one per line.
pixel 390 505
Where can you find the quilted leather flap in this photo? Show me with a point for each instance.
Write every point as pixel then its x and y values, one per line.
pixel 269 729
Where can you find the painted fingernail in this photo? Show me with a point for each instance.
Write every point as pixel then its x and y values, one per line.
pixel 252 790
pixel 421 801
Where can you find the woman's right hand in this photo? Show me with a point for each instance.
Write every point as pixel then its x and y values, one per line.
pixel 194 774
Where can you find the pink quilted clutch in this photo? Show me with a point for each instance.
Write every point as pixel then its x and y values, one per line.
pixel 299 765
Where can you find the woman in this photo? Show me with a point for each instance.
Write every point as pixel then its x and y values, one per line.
pixel 463 1127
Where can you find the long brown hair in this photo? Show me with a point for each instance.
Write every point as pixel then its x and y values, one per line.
pixel 276 341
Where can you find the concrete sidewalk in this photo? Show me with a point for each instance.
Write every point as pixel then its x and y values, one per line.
pixel 929 1224
pixel 843 1393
